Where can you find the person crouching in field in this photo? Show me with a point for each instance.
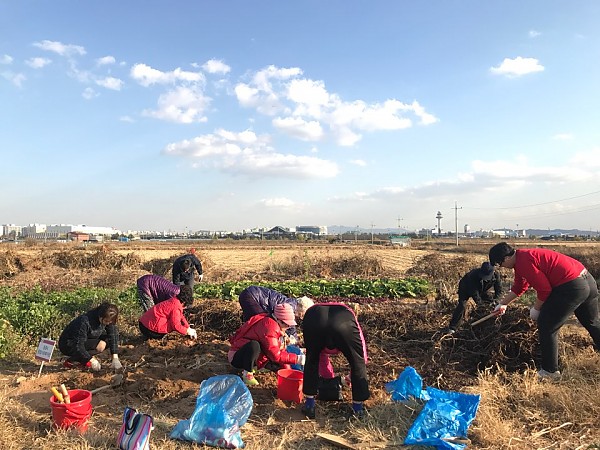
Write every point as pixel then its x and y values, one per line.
pixel 167 316
pixel 258 341
pixel 563 286
pixel 259 300
pixel 475 284
pixel 89 334
pixel 328 329
pixel 153 289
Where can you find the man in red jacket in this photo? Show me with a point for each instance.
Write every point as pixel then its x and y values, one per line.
pixel 563 287
pixel 258 341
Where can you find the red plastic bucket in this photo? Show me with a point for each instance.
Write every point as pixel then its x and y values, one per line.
pixel 76 413
pixel 289 385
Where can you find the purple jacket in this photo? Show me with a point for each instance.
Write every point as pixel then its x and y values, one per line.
pixel 157 287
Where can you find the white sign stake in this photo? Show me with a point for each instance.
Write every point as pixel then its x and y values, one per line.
pixel 44 352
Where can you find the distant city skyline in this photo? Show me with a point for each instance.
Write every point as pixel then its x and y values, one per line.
pixel 213 115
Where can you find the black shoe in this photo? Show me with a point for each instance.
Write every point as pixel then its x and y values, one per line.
pixel 308 412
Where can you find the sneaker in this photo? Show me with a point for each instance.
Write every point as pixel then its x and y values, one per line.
pixel 550 376
pixel 308 412
pixel 446 331
pixel 249 379
pixel 76 365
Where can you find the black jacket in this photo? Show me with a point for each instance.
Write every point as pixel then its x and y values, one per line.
pixel 471 285
pixel 179 275
pixel 87 326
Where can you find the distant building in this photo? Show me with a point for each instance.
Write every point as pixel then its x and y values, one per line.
pixel 315 230
pixel 11 231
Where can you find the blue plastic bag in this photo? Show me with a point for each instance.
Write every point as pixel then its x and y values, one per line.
pixel 408 384
pixel 446 415
pixel 222 408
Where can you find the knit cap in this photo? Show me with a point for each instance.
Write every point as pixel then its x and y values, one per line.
pixel 285 313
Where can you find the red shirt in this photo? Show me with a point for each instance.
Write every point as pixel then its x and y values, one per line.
pixel 165 317
pixel 543 270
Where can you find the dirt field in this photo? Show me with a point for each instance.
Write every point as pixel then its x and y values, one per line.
pixel 163 377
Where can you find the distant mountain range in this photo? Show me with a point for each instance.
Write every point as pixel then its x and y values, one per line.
pixel 337 229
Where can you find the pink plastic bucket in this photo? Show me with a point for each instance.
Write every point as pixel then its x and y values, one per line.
pixel 289 385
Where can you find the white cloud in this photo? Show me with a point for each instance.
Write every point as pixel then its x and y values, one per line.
pixel 15 78
pixel 89 93
pixel 127 119
pixel 533 34
pixel 181 105
pixel 216 66
pixel 147 76
pixel 307 92
pixel 106 60
pixel 299 128
pixel 517 67
pixel 278 203
pixel 358 162
pixel 562 137
pixel 110 83
pixel 37 63
pixel 6 59
pixel 60 48
pixel 246 153
pixel 308 111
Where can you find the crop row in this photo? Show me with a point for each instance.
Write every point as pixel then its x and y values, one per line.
pixel 27 316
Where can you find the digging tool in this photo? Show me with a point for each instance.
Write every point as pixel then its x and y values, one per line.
pixel 343 443
pixel 483 319
pixel 117 380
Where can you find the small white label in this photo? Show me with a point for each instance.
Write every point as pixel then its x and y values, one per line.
pixel 45 349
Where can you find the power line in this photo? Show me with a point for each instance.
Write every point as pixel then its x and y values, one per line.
pixel 540 204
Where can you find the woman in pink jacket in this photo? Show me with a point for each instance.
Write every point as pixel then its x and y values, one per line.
pixel 259 341
pixel 167 316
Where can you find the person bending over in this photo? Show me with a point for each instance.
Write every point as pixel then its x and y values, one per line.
pixel 564 287
pixel 167 316
pixel 333 328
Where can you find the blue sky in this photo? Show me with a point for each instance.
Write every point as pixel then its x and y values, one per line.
pixel 230 115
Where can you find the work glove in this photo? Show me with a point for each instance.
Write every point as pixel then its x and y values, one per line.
pixel 534 313
pixel 191 333
pixel 301 359
pixel 500 309
pixel 201 276
pixel 116 364
pixel 95 364
pixel 291 340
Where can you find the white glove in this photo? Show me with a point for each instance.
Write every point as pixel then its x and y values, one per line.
pixel 191 333
pixel 291 340
pixel 534 313
pixel 116 364
pixel 201 276
pixel 500 309
pixel 95 364
pixel 301 359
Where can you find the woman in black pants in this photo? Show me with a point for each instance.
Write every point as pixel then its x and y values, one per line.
pixel 326 328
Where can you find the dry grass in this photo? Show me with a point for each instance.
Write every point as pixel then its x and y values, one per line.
pixel 516 411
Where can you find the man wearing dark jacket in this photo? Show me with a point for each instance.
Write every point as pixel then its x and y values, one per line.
pixel 184 268
pixel 475 284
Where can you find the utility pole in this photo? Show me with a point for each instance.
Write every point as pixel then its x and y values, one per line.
pixel 356 235
pixel 372 225
pixel 399 220
pixel 456 208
